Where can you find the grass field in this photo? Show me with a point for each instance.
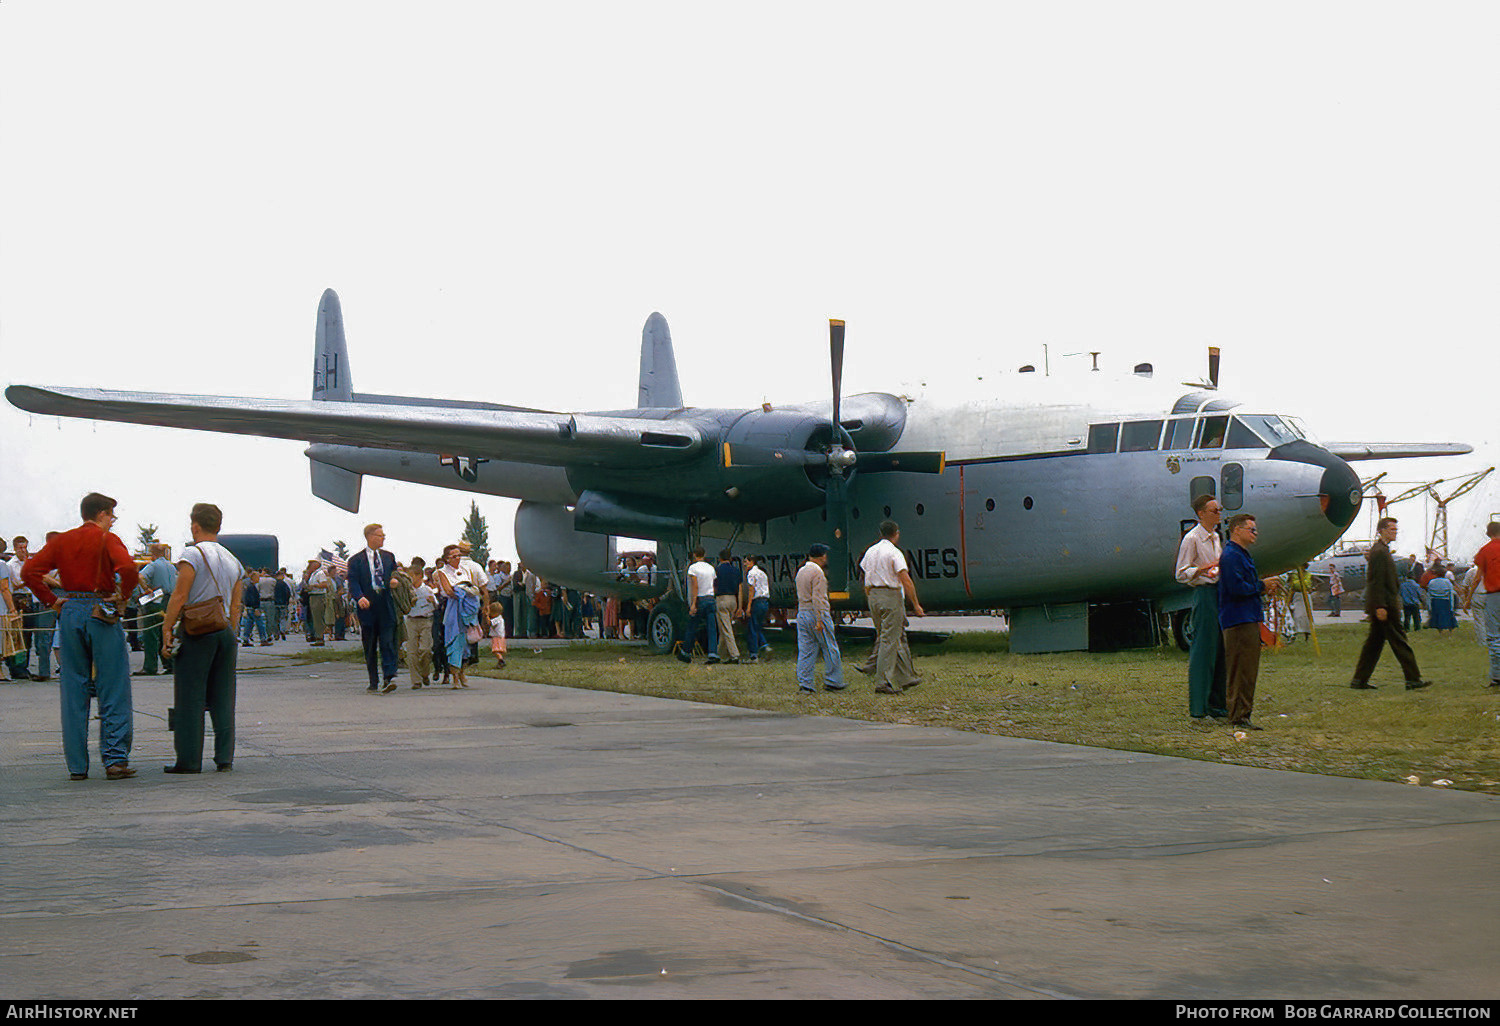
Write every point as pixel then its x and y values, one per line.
pixel 1133 701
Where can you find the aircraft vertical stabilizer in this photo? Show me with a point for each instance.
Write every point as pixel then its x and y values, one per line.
pixel 659 385
pixel 331 382
pixel 330 354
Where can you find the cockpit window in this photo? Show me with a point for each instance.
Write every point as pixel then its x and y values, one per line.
pixel 1140 435
pixel 1211 432
pixel 1179 434
pixel 1267 430
pixel 1242 436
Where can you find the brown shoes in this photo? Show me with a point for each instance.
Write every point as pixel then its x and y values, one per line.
pixel 119 771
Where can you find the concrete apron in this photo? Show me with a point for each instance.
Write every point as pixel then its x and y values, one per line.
pixel 520 840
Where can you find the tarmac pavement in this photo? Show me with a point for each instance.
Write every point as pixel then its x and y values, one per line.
pixel 521 840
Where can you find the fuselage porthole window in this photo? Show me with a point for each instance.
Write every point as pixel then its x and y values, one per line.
pixel 1201 486
pixel 1233 479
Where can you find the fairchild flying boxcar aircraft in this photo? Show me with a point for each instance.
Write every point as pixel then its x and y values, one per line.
pixel 1061 501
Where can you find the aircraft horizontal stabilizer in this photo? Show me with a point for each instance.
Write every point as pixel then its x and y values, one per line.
pixel 1351 452
pixel 336 485
pixel 555 439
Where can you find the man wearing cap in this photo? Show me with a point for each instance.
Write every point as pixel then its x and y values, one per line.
pixel 97 573
pixel 815 625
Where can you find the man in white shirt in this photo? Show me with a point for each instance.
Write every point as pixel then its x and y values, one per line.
pixel 530 583
pixel 25 604
pixel 886 581
pixel 317 589
pixel 757 594
pixel 1198 568
pixel 700 596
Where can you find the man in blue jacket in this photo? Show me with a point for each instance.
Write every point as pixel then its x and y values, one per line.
pixel 370 571
pixel 1240 617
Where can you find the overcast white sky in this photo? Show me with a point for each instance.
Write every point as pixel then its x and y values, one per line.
pixel 502 192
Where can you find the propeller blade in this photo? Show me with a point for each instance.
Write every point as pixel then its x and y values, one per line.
pixel 836 358
pixel 1213 366
pixel 905 462
pixel 743 455
pixel 836 502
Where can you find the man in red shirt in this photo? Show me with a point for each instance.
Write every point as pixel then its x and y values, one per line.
pixel 96 571
pixel 1488 562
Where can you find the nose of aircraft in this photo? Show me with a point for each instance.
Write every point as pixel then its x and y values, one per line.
pixel 1339 491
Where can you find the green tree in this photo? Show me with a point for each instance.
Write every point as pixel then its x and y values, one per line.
pixel 341 550
pixel 477 534
pixel 147 538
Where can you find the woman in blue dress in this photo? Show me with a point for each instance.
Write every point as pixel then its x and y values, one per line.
pixel 1440 603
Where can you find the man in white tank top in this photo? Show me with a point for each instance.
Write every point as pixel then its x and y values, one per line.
pixel 203 669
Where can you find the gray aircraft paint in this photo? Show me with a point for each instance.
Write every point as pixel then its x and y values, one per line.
pixel 1023 516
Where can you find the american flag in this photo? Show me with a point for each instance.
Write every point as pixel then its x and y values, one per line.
pixel 332 562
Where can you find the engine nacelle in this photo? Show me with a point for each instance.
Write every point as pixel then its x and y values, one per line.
pixel 553 550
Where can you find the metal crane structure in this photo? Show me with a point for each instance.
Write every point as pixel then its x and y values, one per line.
pixel 1439 541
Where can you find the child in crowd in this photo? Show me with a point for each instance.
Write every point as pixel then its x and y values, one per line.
pixel 497 633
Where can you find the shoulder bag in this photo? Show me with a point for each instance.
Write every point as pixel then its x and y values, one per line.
pixel 207 616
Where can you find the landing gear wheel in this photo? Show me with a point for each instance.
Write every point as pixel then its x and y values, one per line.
pixel 1182 629
pixel 665 627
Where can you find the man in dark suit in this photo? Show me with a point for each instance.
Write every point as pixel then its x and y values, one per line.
pixel 1383 603
pixel 370 572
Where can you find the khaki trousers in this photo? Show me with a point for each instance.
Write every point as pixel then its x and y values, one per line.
pixel 419 648
pixel 316 603
pixel 724 606
pixel 890 659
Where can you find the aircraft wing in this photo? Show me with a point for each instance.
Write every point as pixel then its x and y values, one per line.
pixel 525 436
pixel 1351 452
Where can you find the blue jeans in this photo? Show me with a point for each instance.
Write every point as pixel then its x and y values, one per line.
pixel 251 616
pixel 1492 630
pixel 809 643
pixel 42 625
pixel 90 643
pixel 755 628
pixel 707 612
